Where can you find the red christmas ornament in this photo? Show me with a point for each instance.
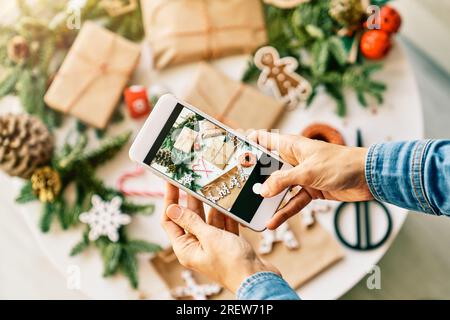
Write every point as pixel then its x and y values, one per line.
pixel 375 44
pixel 137 101
pixel 390 19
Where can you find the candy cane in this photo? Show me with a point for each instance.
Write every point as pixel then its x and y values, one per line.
pixel 121 184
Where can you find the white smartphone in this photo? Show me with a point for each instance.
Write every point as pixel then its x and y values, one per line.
pixel 209 161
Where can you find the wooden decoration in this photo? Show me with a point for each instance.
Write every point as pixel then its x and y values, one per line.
pixel 193 289
pixel 283 234
pixel 279 75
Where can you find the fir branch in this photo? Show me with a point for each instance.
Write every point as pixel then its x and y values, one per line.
pixel 66 162
pixel 141 209
pixel 337 49
pixel 62 211
pixel 251 73
pixel 8 84
pixel 141 246
pixel 128 266
pixel 107 150
pixel 26 194
pixel 47 217
pixel 82 245
pixel 111 258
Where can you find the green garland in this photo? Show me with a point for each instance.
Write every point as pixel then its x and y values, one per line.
pixel 76 167
pixel 45 31
pixel 309 30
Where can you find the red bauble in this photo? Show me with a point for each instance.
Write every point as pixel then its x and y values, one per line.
pixel 390 19
pixel 375 44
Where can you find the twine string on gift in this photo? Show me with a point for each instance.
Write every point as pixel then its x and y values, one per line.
pixel 208 31
pixel 101 68
pixel 229 106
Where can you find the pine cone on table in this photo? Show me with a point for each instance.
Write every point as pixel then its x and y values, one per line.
pixel 25 144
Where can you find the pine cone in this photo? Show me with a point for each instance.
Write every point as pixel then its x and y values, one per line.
pixel 347 12
pixel 164 158
pixel 25 144
pixel 18 49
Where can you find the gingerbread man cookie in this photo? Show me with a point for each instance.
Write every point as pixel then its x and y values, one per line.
pixel 279 75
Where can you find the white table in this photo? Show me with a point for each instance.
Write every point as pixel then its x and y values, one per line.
pixel 25 273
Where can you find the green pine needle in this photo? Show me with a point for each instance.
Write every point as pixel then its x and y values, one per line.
pixel 47 217
pixel 111 258
pixel 107 150
pixel 141 209
pixel 8 84
pixel 26 194
pixel 81 246
pixel 128 265
pixel 141 246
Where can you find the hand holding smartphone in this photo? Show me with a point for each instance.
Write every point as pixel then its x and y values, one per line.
pixel 208 160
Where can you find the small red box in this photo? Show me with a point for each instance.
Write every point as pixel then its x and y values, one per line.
pixel 137 101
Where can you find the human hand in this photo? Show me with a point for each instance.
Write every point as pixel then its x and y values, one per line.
pixel 324 170
pixel 213 249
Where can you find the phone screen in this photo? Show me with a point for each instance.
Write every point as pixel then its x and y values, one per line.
pixel 212 162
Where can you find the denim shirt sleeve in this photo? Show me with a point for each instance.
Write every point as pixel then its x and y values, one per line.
pixel 412 175
pixel 266 286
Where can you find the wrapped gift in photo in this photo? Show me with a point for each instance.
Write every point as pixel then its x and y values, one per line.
pixel 237 105
pixel 218 152
pixel 92 77
pixel 210 130
pixel 193 30
pixel 185 140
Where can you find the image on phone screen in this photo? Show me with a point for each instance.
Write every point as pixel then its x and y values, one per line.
pixel 211 161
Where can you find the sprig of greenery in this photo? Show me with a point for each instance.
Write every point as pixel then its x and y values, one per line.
pixel 309 30
pixel 77 166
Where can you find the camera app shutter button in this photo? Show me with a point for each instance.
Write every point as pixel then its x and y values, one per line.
pixel 257 188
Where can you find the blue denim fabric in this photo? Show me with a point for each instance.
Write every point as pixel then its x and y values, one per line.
pixel 413 175
pixel 266 286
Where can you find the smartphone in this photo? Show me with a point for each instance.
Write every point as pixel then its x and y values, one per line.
pixel 208 160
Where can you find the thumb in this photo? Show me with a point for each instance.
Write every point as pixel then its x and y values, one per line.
pixel 188 220
pixel 281 180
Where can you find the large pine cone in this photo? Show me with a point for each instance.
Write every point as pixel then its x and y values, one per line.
pixel 25 144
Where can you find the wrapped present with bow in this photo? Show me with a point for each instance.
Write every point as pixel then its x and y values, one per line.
pixel 192 30
pixel 92 77
pixel 237 105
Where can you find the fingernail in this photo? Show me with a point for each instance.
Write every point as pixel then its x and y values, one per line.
pixel 264 190
pixel 174 212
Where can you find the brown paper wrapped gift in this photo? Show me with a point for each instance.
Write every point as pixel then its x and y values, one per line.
pixel 192 30
pixel 92 77
pixel 233 103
